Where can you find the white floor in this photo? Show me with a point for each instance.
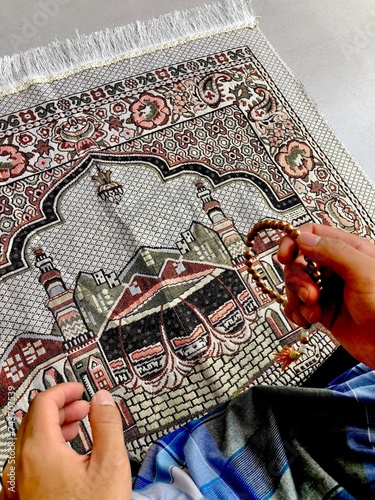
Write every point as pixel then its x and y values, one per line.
pixel 328 44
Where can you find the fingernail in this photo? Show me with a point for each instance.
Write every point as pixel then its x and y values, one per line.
pixel 307 314
pixel 308 239
pixel 103 397
pixel 303 294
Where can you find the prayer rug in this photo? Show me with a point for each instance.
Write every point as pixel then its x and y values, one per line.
pixel 130 174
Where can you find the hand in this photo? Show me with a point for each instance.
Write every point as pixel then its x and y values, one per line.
pixel 48 469
pixel 348 256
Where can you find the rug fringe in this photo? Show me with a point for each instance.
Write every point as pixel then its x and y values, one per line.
pixel 61 59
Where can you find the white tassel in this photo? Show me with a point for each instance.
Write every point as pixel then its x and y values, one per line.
pixel 59 59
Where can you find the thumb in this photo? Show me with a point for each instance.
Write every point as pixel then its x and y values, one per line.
pixel 345 260
pixel 108 448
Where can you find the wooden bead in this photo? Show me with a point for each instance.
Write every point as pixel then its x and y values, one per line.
pixel 295 233
pixel 250 256
pixel 311 264
pixel 316 275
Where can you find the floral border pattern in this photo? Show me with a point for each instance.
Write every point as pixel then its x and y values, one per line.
pixel 222 110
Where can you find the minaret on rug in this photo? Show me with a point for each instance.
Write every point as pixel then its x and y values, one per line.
pixel 222 224
pixel 228 233
pixel 60 302
pixel 80 344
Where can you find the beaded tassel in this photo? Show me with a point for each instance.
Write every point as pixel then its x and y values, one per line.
pixel 250 255
pixel 288 354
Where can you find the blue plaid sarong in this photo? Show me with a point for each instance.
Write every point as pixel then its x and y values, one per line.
pixel 272 443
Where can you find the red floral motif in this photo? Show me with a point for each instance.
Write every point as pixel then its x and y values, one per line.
pixel 155 148
pixel 34 194
pixel 183 100
pixel 296 159
pixel 115 123
pixel 101 113
pixel 58 158
pixel 150 111
pixel 279 130
pixel 25 216
pixel 79 134
pixel 114 138
pixel 27 116
pixel 43 162
pixel 317 187
pixel 162 73
pixel 12 162
pixel 221 58
pixel 131 83
pixel 5 207
pixel 273 140
pixel 215 129
pixel 25 139
pixel 43 147
pixel 44 132
pixel 209 147
pixel 63 104
pixel 127 133
pixel 186 139
pixel 98 94
pixel 179 103
pixel 118 108
pixel 233 155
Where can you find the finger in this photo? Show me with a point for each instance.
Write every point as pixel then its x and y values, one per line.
pixel 293 305
pixel 43 418
pixel 288 250
pixel 108 439
pixel 299 283
pixel 74 412
pixel 311 313
pixel 344 259
pixel 70 417
pixel 294 315
pixel 70 431
pixel 361 244
pixel 303 315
